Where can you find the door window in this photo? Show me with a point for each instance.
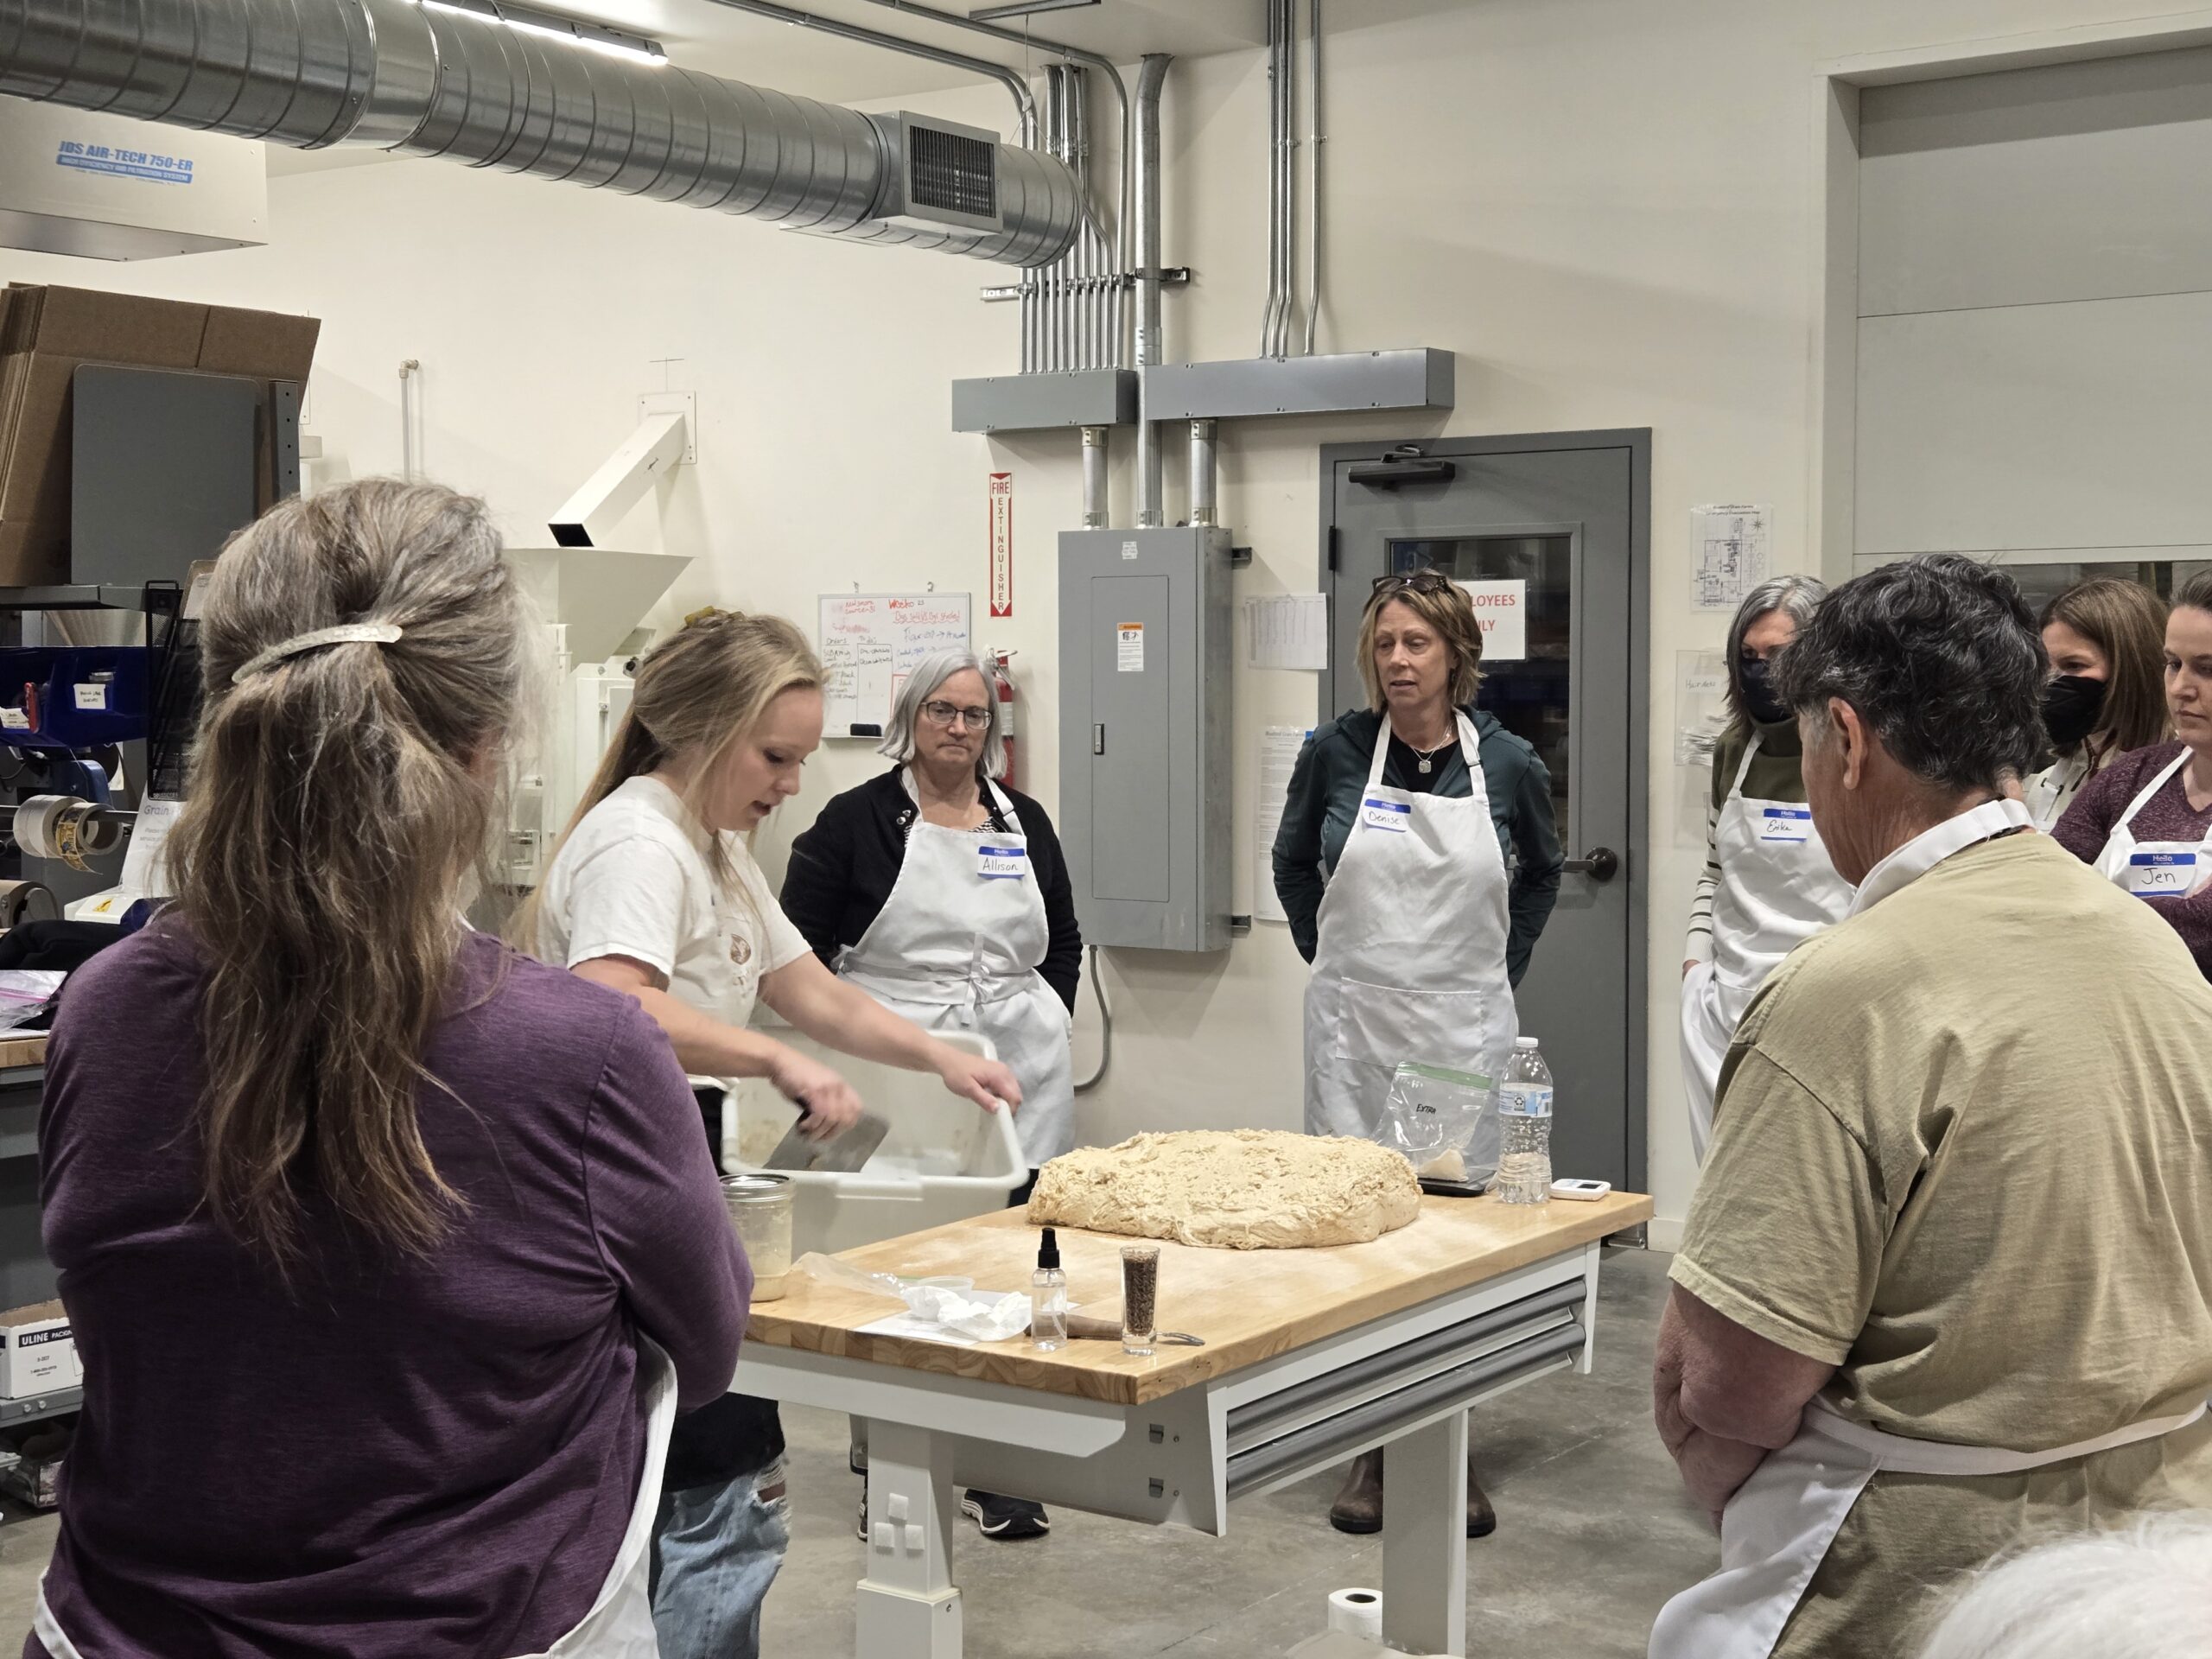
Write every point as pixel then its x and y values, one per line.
pixel 1530 696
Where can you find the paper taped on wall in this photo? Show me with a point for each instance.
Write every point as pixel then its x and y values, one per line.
pixel 1730 547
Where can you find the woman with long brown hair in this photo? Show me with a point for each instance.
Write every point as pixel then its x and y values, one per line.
pixel 654 892
pixel 379 1241
pixel 2107 697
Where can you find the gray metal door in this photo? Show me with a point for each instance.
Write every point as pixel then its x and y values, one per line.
pixel 1568 516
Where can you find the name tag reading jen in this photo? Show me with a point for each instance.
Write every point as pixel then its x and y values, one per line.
pixel 1786 823
pixel 1393 815
pixel 2160 875
pixel 1002 863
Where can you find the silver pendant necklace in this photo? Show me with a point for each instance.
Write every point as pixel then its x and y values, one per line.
pixel 1424 757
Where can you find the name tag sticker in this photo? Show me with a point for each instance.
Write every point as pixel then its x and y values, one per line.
pixel 2157 876
pixel 1393 815
pixel 1786 823
pixel 1002 863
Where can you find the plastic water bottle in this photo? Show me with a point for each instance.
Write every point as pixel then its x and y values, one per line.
pixel 1525 1117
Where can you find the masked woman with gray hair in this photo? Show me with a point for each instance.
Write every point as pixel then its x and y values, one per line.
pixel 1768 883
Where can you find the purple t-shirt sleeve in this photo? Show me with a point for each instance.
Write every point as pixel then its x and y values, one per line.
pixel 658 1212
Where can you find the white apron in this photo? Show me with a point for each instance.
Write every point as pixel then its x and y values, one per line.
pixel 2050 791
pixel 1410 960
pixel 619 1624
pixel 2155 870
pixel 956 948
pixel 1777 1528
pixel 1776 889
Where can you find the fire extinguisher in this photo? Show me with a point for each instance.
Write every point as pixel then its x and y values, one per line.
pixel 1002 681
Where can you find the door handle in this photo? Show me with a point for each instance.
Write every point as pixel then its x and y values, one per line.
pixel 1602 864
pixel 1098 740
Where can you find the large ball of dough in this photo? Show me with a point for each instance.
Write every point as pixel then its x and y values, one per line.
pixel 1241 1190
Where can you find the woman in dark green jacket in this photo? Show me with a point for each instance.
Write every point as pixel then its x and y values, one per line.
pixel 1417 861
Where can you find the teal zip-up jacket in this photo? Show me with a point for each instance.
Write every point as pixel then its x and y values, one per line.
pixel 1323 800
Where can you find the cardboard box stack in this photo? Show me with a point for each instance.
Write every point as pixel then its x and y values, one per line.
pixel 46 332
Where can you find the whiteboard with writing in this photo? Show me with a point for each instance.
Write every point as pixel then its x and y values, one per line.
pixel 870 642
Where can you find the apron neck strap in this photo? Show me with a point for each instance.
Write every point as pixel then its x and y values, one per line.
pixel 2156 784
pixel 1470 744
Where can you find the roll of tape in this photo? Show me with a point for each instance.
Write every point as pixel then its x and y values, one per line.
pixel 69 834
pixel 34 825
pixel 1356 1613
pixel 26 901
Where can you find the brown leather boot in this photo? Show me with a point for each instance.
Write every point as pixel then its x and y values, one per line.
pixel 1482 1520
pixel 1358 1507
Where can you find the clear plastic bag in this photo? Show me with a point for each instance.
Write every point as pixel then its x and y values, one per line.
pixel 1444 1122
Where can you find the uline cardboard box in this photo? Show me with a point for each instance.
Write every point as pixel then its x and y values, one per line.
pixel 46 332
pixel 38 1352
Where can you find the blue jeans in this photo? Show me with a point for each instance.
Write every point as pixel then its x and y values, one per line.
pixel 715 1551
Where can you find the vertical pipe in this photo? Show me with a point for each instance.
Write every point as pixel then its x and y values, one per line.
pixel 1096 510
pixel 1080 140
pixel 1150 79
pixel 1274 181
pixel 1313 168
pixel 1050 274
pixel 1289 165
pixel 1202 473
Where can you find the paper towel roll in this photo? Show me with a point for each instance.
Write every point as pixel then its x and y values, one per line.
pixel 1356 1613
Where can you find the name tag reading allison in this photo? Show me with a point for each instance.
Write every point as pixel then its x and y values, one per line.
pixel 1394 815
pixel 2157 875
pixel 1786 823
pixel 1002 863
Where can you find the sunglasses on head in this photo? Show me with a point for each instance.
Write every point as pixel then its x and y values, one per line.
pixel 1420 582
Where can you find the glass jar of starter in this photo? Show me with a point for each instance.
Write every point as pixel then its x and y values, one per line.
pixel 760 1210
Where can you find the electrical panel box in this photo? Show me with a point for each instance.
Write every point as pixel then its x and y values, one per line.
pixel 1146 770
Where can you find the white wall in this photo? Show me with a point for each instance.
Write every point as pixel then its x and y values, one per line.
pixel 1605 207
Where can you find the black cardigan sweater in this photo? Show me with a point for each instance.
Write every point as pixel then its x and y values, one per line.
pixel 842 868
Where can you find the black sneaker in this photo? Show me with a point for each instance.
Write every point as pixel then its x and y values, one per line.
pixel 1005 1518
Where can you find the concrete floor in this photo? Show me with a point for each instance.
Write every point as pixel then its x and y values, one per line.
pixel 1594 1535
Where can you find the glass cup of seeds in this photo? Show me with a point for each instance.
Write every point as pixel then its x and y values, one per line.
pixel 1139 1297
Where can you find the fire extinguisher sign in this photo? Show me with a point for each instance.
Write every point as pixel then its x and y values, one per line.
pixel 1001 543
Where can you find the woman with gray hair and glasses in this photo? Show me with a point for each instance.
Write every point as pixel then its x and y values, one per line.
pixel 943 895
pixel 1768 883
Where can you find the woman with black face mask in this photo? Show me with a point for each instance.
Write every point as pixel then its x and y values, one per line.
pixel 2106 695
pixel 1768 883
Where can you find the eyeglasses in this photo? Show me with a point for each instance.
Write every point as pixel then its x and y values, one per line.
pixel 943 714
pixel 1420 582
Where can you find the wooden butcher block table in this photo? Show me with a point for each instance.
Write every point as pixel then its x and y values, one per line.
pixel 1311 1355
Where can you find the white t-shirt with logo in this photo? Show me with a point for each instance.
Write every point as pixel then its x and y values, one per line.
pixel 633 880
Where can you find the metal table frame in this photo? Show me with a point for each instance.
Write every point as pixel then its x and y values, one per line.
pixel 1402 1382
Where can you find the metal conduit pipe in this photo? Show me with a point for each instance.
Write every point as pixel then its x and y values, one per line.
pixel 1313 142
pixel 1125 198
pixel 1286 165
pixel 1151 78
pixel 425 81
pixel 1024 102
pixel 1203 474
pixel 1054 121
pixel 1276 72
pixel 1095 455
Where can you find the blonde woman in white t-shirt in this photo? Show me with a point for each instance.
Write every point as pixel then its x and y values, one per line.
pixel 654 892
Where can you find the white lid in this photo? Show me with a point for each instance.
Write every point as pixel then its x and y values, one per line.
pixel 1524 1042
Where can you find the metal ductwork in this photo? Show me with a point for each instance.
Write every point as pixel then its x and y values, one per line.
pixel 430 81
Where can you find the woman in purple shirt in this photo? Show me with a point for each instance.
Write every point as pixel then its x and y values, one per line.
pixel 390 1253
pixel 2145 821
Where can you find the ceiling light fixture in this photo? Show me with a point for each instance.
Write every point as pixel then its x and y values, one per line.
pixel 575 31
